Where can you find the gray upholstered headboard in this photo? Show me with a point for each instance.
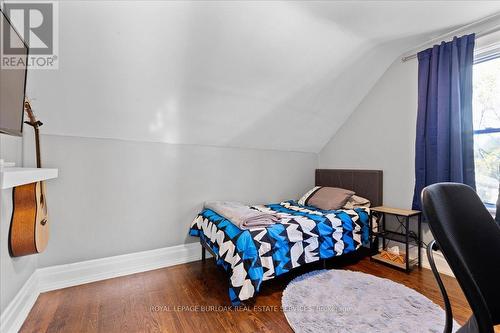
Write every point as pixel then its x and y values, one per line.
pixel 366 183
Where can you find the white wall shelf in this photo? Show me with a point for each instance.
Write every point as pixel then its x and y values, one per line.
pixel 15 176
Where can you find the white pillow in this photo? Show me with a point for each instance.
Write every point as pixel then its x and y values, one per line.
pixel 302 201
pixel 357 202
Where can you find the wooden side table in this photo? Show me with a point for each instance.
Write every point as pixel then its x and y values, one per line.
pixel 405 236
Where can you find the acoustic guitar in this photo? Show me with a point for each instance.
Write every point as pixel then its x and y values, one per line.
pixel 29 228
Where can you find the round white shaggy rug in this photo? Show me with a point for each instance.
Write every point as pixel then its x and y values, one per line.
pixel 346 301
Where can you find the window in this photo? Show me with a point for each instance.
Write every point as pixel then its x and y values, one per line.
pixel 486 112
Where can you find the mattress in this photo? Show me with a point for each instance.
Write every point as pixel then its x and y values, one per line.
pixel 303 235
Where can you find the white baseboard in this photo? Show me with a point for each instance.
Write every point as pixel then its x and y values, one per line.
pixel 63 276
pixel 13 316
pixel 439 260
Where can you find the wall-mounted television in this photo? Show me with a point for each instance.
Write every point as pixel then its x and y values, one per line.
pixel 12 81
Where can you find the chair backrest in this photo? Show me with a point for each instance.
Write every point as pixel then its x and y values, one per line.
pixel 470 241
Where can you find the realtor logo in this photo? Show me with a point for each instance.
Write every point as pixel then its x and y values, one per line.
pixel 36 23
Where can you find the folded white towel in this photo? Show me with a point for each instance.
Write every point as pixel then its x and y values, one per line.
pixel 243 216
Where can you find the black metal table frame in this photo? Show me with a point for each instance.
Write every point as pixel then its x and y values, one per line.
pixel 404 222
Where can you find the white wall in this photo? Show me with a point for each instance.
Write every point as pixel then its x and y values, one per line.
pixel 11 149
pixel 237 74
pixel 146 103
pixel 380 134
pixel 115 197
pixel 257 74
pixel 13 271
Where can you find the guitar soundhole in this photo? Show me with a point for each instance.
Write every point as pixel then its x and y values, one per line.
pixel 43 222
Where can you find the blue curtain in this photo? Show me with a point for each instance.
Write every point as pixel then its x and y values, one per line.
pixel 444 148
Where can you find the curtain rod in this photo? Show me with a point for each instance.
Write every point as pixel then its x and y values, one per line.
pixel 453 32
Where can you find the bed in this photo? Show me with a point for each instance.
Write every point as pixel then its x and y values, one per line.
pixel 303 235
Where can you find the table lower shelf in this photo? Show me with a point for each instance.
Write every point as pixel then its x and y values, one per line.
pixel 412 262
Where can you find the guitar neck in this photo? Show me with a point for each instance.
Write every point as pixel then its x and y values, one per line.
pixel 35 123
pixel 37 146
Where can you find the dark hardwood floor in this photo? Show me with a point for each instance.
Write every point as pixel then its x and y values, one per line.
pixel 170 300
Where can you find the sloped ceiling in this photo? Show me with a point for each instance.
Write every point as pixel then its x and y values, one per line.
pixel 268 75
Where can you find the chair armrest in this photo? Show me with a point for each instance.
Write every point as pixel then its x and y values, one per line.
pixel 433 246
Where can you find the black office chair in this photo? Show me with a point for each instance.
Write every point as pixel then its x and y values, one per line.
pixel 469 239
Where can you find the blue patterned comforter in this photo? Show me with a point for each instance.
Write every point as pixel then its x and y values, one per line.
pixel 304 234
